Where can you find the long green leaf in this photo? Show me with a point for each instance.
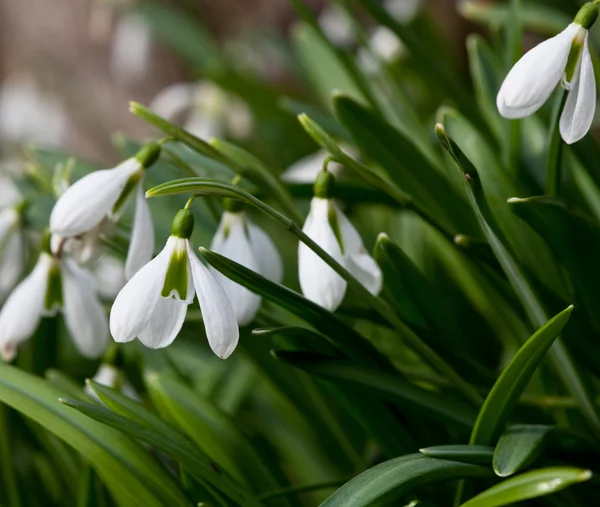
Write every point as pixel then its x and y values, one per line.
pixel 383 384
pixel 510 385
pixel 395 478
pixel 132 476
pixel 529 485
pixel 474 454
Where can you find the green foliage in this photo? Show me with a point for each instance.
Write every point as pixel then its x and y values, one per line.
pixel 464 380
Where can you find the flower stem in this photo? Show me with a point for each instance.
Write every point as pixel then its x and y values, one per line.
pixel 555 149
pixel 211 187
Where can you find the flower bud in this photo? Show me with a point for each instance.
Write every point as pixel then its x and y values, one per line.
pixel 587 15
pixel 324 183
pixel 183 224
pixel 148 154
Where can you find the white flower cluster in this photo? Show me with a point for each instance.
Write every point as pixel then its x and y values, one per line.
pixel 152 305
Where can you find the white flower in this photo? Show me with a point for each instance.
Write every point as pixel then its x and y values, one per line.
pixel 402 11
pixel 109 273
pixel 327 226
pixel 242 241
pixel 308 168
pixel 12 250
pixel 110 376
pixel 534 77
pixel 89 208
pixel 337 26
pixel 153 304
pixel 131 49
pixel 203 109
pixel 384 47
pixel 54 286
pixel 29 114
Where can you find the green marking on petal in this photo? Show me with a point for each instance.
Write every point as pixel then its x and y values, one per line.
pixel 335 225
pixel 176 279
pixel 132 182
pixel 54 293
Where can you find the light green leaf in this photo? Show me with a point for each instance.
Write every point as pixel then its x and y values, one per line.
pixel 529 485
pixel 474 454
pixel 395 478
pixel 519 446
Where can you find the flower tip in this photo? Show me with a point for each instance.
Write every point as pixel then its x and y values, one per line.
pixel 382 236
pixel 514 200
pixel 134 106
pixel 585 475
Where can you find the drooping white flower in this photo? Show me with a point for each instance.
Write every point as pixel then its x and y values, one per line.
pixel 110 376
pixel 153 304
pixel 238 239
pixel 131 49
pixel 327 226
pixel 308 168
pixel 109 273
pixel 89 208
pixel 402 11
pixel 12 250
pixel 52 286
pixel 563 59
pixel 337 26
pixel 384 47
pixel 203 109
pixel 27 113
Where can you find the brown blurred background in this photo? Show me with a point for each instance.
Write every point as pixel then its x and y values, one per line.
pixel 63 51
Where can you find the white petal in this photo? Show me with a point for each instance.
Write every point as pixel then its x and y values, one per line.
pixel 133 307
pixel 318 281
pixel 307 168
pixel 204 125
pixel 141 247
pixel 10 194
pixel 131 49
pixel 21 314
pixel 165 323
pixel 358 261
pixel 236 246
pixel 220 323
pixel 12 262
pixel 84 314
pixel 174 100
pixel 269 260
pixel 109 274
pixel 90 199
pixel 578 114
pixel 534 77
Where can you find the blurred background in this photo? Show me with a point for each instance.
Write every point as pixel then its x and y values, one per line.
pixel 69 67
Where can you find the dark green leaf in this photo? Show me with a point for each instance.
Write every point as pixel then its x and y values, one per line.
pixel 474 454
pixel 518 447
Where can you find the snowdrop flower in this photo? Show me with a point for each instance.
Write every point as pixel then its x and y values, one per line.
pixel 29 114
pixel 204 109
pixel 238 239
pixel 109 274
pixel 12 248
pixel 402 11
pixel 337 26
pixel 308 168
pixel 131 49
pixel 90 207
pixel 563 59
pixel 153 304
pixel 54 285
pixel 110 376
pixel 327 226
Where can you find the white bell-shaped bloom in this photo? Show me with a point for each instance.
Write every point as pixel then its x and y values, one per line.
pixel 109 274
pixel 54 286
pixel 153 304
pixel 110 376
pixel 131 49
pixel 203 109
pixel 247 244
pixel 402 11
pixel 564 59
pixel 327 226
pixel 12 250
pixel 89 208
pixel 306 169
pixel 337 26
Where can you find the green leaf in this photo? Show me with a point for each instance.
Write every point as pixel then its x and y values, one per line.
pixel 340 334
pixel 474 454
pixel 212 431
pixel 529 485
pixel 172 444
pixel 382 384
pixel 323 67
pixel 519 446
pixel 131 475
pixel 574 239
pixel 514 378
pixel 561 359
pixel 395 478
pixel 430 190
pixel 540 18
